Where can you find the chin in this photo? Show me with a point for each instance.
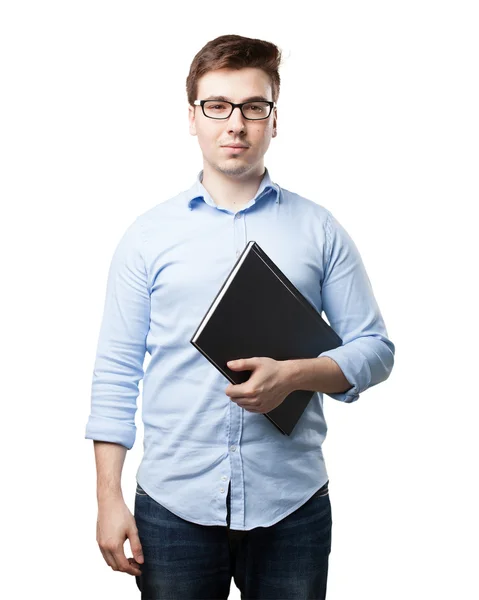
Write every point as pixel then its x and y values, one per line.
pixel 233 167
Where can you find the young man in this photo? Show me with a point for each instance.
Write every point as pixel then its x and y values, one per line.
pixel 220 491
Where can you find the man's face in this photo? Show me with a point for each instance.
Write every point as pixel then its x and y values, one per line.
pixel 213 134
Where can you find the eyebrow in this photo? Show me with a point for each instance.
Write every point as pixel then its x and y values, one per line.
pixel 250 99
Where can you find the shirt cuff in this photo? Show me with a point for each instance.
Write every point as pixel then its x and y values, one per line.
pixel 104 429
pixel 355 368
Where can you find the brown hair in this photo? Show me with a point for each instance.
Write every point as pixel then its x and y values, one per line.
pixel 234 52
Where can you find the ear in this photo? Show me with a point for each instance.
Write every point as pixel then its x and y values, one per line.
pixel 191 119
pixel 275 123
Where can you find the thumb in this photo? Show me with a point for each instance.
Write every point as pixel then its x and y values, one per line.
pixel 135 546
pixel 240 364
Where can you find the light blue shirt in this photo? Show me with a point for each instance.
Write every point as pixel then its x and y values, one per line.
pixel 165 271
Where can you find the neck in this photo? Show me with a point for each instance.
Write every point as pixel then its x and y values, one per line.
pixel 232 191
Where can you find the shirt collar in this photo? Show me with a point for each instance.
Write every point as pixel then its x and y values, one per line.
pixel 199 192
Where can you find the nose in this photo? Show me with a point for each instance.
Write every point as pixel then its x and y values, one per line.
pixel 236 121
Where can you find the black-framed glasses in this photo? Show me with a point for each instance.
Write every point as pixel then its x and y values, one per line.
pixel 222 109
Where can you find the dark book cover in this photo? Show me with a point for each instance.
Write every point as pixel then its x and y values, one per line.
pixel 259 312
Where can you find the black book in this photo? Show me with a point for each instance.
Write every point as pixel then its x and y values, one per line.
pixel 259 312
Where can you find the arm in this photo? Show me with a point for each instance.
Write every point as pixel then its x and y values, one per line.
pixel 367 355
pixel 115 523
pixel 109 460
pixel 321 374
pixel 117 371
pixel 122 344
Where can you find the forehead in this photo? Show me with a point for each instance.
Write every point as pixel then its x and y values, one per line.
pixel 235 84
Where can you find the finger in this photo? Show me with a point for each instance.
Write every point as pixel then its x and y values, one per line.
pixel 106 552
pixel 110 559
pixel 246 403
pixel 135 565
pixel 103 552
pixel 240 399
pixel 123 564
pixel 135 544
pixel 246 406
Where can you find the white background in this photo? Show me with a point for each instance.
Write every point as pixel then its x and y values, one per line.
pixel 94 131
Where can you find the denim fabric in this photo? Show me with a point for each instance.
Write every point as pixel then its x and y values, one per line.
pixel 188 561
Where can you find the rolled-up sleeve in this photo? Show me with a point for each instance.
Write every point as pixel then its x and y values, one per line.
pixel 366 356
pixel 121 348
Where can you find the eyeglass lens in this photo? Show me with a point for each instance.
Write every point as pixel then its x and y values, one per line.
pixel 221 110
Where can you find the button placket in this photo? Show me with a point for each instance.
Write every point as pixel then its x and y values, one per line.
pixel 238 224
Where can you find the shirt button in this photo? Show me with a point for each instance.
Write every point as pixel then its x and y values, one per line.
pixel 222 490
pixel 233 448
pixel 224 478
pixel 238 252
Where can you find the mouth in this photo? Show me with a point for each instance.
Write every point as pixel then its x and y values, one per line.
pixel 235 148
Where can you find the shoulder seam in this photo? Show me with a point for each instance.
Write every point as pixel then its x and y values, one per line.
pixel 143 233
pixel 144 244
pixel 327 229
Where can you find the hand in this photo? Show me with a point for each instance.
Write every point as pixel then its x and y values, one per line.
pixel 115 524
pixel 266 388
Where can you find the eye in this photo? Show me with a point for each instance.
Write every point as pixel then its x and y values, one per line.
pixel 215 105
pixel 257 107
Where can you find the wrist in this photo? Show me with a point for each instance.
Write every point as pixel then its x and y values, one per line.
pixel 107 493
pixel 291 374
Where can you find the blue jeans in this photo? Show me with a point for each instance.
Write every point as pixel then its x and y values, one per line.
pixel 188 561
